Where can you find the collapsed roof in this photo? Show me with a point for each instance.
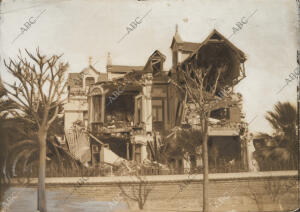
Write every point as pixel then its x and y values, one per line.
pixel 216 51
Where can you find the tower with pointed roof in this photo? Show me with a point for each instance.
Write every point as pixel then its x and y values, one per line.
pixel 181 49
pixel 174 46
pixel 117 71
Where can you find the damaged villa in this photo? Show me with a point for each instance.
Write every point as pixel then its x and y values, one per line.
pixel 133 113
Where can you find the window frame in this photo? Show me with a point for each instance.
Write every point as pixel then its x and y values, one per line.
pixel 156 107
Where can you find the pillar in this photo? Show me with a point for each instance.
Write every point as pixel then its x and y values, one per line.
pixel 90 111
pixel 147 105
pixel 102 107
pixel 127 150
pixel 143 152
pixel 133 151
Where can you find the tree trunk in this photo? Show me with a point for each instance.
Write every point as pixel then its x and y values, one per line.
pixel 205 163
pixel 140 205
pixel 42 135
pixel 4 181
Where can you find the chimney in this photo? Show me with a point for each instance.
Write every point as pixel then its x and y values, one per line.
pixel 108 66
pixel 90 61
pixel 109 62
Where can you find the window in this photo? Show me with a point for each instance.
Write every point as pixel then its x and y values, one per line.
pixel 175 58
pixel 222 113
pixel 178 113
pixel 157 110
pixel 95 148
pixel 138 153
pixel 85 118
pixel 96 101
pixel 89 81
pixel 139 110
pixel 95 154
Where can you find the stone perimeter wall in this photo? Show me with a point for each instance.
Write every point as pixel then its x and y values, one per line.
pixel 227 192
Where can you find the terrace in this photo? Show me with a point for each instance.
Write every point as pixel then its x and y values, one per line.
pixel 112 110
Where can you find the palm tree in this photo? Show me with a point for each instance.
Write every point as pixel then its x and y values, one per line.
pixel 284 121
pixel 24 154
pixel 7 125
pixel 19 146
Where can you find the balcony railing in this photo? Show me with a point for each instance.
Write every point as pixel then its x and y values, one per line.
pixel 111 127
pixel 77 91
pixel 224 129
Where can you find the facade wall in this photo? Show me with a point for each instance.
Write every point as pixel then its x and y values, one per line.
pixel 182 56
pixel 71 117
pixel 89 73
pixel 73 110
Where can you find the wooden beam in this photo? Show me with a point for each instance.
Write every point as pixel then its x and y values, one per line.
pixel 96 139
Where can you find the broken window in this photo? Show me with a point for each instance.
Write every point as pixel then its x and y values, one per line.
pixel 222 113
pixel 119 113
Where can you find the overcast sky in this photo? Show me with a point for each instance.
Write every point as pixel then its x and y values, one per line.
pixel 82 28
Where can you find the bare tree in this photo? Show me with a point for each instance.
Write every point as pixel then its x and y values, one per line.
pixel 140 189
pixel 37 90
pixel 139 192
pixel 200 85
pixel 274 190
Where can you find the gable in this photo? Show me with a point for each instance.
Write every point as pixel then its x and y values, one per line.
pixel 215 36
pixel 155 62
pixel 90 71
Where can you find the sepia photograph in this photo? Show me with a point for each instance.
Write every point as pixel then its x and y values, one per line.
pixel 149 105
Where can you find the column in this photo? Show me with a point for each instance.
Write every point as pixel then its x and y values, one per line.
pixel 143 152
pixel 133 151
pixel 102 107
pixel 90 111
pixel 127 150
pixel 147 106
